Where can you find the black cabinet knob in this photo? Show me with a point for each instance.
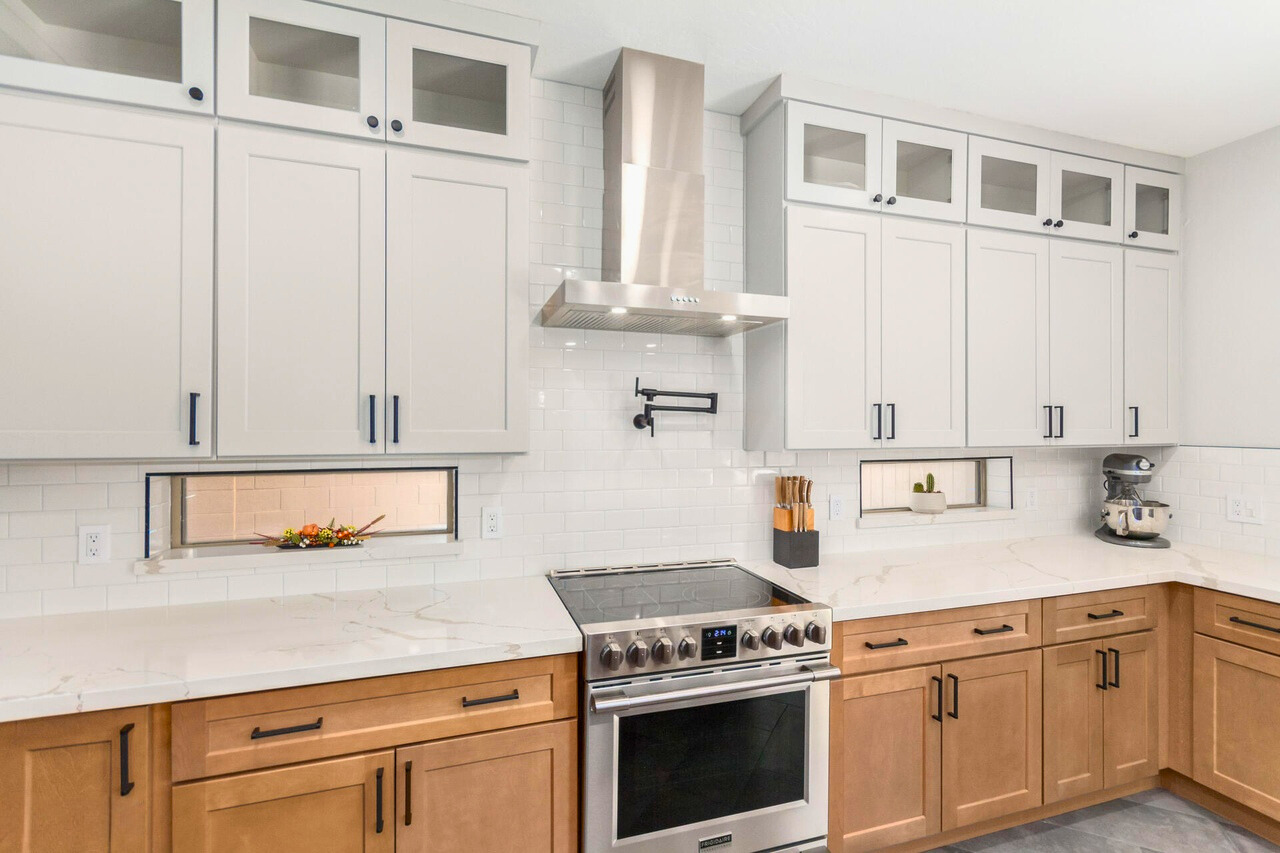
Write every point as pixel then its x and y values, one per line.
pixel 1047 223
pixel 877 198
pixel 1133 235
pixel 893 199
pixel 1058 224
pixel 372 121
pixel 397 125
pixel 196 93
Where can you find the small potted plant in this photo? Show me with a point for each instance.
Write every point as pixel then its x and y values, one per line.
pixel 924 498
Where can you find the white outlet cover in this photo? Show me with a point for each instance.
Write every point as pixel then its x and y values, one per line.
pixel 836 510
pixel 491 522
pixel 95 543
pixel 1246 509
pixel 1032 499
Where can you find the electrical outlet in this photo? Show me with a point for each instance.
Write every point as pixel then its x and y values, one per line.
pixel 95 543
pixel 1246 510
pixel 836 510
pixel 491 522
pixel 1032 499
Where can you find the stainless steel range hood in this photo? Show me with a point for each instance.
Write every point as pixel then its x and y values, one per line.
pixel 653 215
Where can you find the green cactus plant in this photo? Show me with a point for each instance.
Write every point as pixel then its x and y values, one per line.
pixel 926 487
pixel 918 488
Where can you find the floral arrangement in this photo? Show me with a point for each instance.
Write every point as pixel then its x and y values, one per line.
pixel 315 536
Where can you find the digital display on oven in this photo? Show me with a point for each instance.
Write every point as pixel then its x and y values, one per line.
pixel 720 641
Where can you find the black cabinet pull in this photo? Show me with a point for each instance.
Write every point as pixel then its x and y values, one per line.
pixel 894 644
pixel 125 785
pixel 1113 614
pixel 1102 685
pixel 879 422
pixel 408 793
pixel 395 418
pixel 1134 434
pixel 954 713
pixel 373 418
pixel 1047 223
pixel 372 121
pixel 1133 235
pixel 191 418
pixel 196 93
pixel 397 125
pixel 893 199
pixel 1058 224
pixel 1003 629
pixel 258 734
pixel 1048 411
pixel 1258 625
pixel 1062 420
pixel 1115 676
pixel 489 700
pixel 877 198
pixel 938 716
pixel 377 823
pixel 893 421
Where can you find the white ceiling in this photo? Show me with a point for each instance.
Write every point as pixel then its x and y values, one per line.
pixel 1175 76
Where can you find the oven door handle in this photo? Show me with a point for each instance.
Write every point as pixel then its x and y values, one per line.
pixel 621 701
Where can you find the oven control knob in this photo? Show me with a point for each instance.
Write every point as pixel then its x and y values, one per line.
pixel 772 638
pixel 816 632
pixel 664 651
pixel 638 653
pixel 611 655
pixel 751 639
pixel 793 635
pixel 688 647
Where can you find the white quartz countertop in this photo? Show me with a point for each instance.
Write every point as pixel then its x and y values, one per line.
pixel 83 662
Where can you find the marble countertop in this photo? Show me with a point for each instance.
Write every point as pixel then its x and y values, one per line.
pixel 83 662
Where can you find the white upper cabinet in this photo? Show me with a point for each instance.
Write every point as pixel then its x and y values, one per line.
pixel 462 92
pixel 924 171
pixel 302 64
pixel 457 304
pixel 833 157
pixel 1009 185
pixel 106 235
pixel 1152 208
pixel 157 53
pixel 1087 198
pixel 1152 348
pixel 301 289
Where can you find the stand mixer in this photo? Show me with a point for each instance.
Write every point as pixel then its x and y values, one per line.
pixel 1127 519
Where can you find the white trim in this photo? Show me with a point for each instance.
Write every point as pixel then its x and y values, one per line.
pixel 907 518
pixel 248 556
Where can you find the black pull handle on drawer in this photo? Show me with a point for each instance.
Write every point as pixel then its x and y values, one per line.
pixel 258 734
pixel 489 700
pixel 1102 685
pixel 1115 676
pixel 938 682
pixel 1113 614
pixel 408 793
pixel 191 420
pixel 377 823
pixel 1258 625
pixel 894 644
pixel 954 713
pixel 983 632
pixel 125 784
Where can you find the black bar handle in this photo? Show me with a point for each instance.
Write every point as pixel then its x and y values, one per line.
pixel 1258 625
pixel 489 700
pixel 258 734
pixel 1062 419
pixel 893 421
pixel 938 682
pixel 1115 676
pixel 377 823
pixel 1102 685
pixel 894 644
pixel 191 418
pixel 1048 410
pixel 983 632
pixel 408 793
pixel 954 713
pixel 1135 432
pixel 373 418
pixel 1113 614
pixel 395 418
pixel 879 422
pixel 125 785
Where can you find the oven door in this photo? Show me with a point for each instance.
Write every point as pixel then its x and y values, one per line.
pixel 731 760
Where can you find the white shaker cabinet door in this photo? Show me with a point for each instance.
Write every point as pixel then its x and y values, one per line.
pixel 922 305
pixel 1152 334
pixel 1086 340
pixel 1008 339
pixel 300 294
pixel 457 304
pixel 106 236
pixel 1087 197
pixel 1152 209
pixel 833 334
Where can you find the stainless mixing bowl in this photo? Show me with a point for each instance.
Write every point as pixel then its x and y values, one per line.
pixel 1137 519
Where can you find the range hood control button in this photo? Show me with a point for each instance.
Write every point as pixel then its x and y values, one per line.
pixel 772 638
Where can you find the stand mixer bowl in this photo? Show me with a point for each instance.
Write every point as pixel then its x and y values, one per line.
pixel 1136 519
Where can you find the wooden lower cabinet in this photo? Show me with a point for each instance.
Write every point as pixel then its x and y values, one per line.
pixel 1131 710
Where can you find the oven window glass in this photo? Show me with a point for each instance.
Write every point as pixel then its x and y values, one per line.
pixel 694 764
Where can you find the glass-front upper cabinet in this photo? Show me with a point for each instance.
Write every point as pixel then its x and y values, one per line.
pixel 447 89
pixel 302 64
pixel 1009 185
pixel 1152 208
pixel 1087 197
pixel 157 53
pixel 833 157
pixel 924 171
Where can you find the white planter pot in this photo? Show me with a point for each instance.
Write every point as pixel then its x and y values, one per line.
pixel 932 503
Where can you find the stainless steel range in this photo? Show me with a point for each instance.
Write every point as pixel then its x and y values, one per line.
pixel 706 709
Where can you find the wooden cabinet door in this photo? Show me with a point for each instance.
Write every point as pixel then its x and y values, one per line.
pixel 76 784
pixel 1152 346
pixel 922 317
pixel 1130 709
pixel 1073 721
pixel 301 290
pixel 991 737
pixel 889 721
pixel 1008 339
pixel 457 304
pixel 1086 340
pixel 344 805
pixel 106 236
pixel 512 790
pixel 1236 723
pixel 833 334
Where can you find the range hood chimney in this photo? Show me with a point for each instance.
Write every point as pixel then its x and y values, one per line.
pixel 653 215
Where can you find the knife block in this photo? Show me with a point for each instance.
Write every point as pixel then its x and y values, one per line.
pixel 782 519
pixel 795 550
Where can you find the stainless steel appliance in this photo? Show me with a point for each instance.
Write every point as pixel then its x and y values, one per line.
pixel 705 709
pixel 1128 519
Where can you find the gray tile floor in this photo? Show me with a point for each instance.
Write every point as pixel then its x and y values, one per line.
pixel 1151 822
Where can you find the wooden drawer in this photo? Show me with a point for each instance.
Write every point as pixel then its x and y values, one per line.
pixel 936 636
pixel 1070 618
pixel 256 730
pixel 1246 621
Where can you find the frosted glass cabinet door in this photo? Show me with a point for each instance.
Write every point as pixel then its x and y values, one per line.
pixel 302 64
pixel 457 304
pixel 106 236
pixel 158 53
pixel 452 90
pixel 833 156
pixel 1152 209
pixel 1152 347
pixel 924 171
pixel 1087 197
pixel 301 293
